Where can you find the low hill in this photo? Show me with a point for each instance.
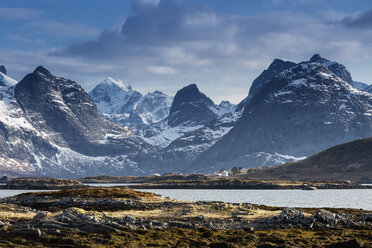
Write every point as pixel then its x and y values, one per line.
pixel 349 161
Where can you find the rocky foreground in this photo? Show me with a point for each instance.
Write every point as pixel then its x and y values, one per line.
pixel 121 217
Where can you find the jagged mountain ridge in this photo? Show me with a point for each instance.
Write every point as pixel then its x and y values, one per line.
pixel 187 142
pixel 339 69
pixel 118 102
pixel 50 126
pixel 301 111
pixel 57 129
pixel 191 110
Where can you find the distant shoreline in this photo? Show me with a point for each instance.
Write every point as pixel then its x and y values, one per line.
pixel 201 183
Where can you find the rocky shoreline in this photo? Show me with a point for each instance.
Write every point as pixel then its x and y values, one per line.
pixel 181 182
pixel 108 217
pixel 247 184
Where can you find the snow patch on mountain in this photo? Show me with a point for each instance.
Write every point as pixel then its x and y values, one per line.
pixel 161 135
pixel 118 102
pixel 10 113
pixel 194 143
pixel 266 159
pixel 6 81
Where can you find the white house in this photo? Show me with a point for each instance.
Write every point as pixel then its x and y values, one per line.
pixel 216 174
pixel 224 173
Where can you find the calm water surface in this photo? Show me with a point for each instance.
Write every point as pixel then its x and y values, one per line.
pixel 12 192
pixel 334 198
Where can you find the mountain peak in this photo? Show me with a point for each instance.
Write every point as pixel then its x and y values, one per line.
pixel 275 63
pixel 315 58
pixel 274 68
pixel 339 69
pixel 190 105
pixel 190 88
pixel 42 70
pixel 2 69
pixel 109 81
pixel 189 94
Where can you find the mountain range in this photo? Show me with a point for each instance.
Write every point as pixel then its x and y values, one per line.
pixel 51 126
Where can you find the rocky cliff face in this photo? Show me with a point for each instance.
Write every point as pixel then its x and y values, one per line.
pixel 50 126
pixel 190 111
pixel 2 69
pixel 339 69
pixel 119 103
pixel 277 66
pixel 61 106
pixel 299 112
pixel 191 107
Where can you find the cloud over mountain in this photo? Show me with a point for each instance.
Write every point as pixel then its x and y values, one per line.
pixel 175 42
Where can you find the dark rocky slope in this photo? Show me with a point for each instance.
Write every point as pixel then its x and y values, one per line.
pixel 350 161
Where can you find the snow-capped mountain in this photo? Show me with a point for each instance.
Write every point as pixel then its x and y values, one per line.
pixel 299 112
pixel 118 102
pixel 339 69
pixel 50 126
pixel 274 68
pixel 190 111
pixel 277 66
pixel 191 144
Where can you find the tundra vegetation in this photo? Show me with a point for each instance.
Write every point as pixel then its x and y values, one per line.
pixel 122 217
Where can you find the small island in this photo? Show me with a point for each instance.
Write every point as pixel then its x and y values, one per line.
pixel 41 183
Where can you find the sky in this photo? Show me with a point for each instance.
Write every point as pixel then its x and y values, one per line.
pixel 221 45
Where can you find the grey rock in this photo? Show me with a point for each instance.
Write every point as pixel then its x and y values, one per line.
pixel 130 219
pixel 367 217
pixel 25 229
pixel 39 216
pixel 2 69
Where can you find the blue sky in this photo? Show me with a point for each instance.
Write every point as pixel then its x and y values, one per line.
pixel 221 45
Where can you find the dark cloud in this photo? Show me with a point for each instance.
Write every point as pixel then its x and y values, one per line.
pixel 363 20
pixel 153 25
pixel 165 43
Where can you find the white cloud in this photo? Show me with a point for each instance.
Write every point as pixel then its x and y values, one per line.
pixel 161 70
